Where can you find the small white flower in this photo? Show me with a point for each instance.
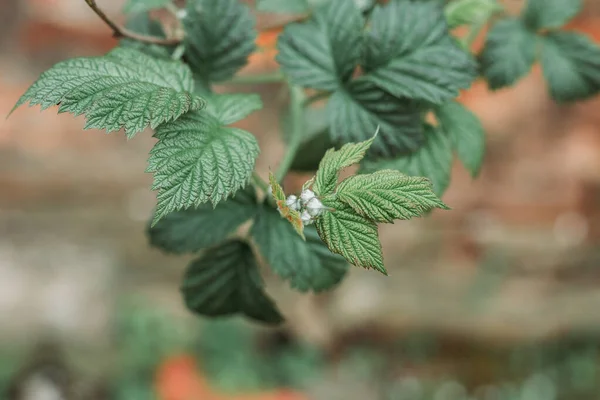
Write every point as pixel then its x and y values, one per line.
pixel 181 13
pixel 306 195
pixel 292 202
pixel 315 207
pixel 306 218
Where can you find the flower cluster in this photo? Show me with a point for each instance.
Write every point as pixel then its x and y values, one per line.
pixel 308 205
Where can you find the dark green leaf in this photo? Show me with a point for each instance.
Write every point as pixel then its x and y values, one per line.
pixel 351 235
pixel 315 141
pixel 142 24
pixel 197 160
pixel 308 265
pixel 195 229
pixel 386 195
pixel 571 65
pixel 545 14
pixel 410 52
pixel 225 281
pixel 508 54
pixel 466 132
pixel 433 161
pixel 220 36
pixel 283 6
pixel 356 112
pixel 233 107
pixel 123 89
pixel 323 52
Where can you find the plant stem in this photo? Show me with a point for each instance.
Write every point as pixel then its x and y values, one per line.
pixel 476 29
pixel 272 77
pixel 297 124
pixel 258 181
pixel 122 32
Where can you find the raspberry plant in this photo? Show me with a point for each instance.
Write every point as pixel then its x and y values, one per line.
pixel 390 71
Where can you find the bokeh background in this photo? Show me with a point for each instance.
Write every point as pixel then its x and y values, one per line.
pixel 497 299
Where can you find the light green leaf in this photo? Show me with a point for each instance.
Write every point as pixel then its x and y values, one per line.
pixel 308 265
pixel 546 14
pixel 142 6
pixel 433 161
pixel 466 12
pixel 571 65
pixel 220 36
pixel 283 6
pixel 334 161
pixel 323 52
pixel 232 107
pixel 410 52
pixel 197 160
pixel 123 89
pixel 351 235
pixel 508 54
pixel 386 195
pixel 358 110
pixel 195 229
pixel 466 132
pixel 225 281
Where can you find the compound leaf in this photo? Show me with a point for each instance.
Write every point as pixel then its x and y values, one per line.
pixel 357 111
pixel 571 65
pixel 232 107
pixel 386 195
pixel 334 161
pixel 509 53
pixel 225 281
pixel 410 52
pixel 194 229
pixel 197 160
pixel 466 12
pixel 323 52
pixel 124 89
pixel 220 36
pixel 433 160
pixel 283 6
pixel 308 265
pixel 142 6
pixel 466 132
pixel 545 14
pixel 351 235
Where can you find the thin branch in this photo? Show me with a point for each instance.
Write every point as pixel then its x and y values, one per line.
pixel 122 32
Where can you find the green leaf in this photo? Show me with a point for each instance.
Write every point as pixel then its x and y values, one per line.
pixel 220 36
pixel 285 211
pixel 508 54
pixel 546 14
pixel 283 6
pixel 323 52
pixel 571 65
pixel 142 6
pixel 466 12
pixel 197 160
pixel 233 107
pixel 386 195
pixel 351 235
pixel 142 24
pixel 410 52
pixel 334 161
pixel 466 132
pixel 123 89
pixel 357 111
pixel 225 281
pixel 195 229
pixel 308 265
pixel 433 161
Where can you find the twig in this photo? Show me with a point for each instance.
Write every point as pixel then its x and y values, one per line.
pixel 122 32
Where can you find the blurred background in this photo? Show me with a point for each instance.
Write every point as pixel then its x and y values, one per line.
pixel 497 299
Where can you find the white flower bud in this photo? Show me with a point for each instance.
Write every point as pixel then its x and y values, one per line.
pixel 314 207
pixel 181 13
pixel 292 202
pixel 306 217
pixel 306 195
